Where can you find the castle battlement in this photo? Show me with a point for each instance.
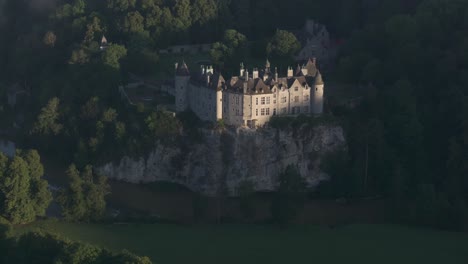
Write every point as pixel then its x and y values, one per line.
pixel 249 99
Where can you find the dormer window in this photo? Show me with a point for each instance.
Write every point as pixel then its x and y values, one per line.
pixel 296 89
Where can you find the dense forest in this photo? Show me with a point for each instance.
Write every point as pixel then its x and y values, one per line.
pixel 407 140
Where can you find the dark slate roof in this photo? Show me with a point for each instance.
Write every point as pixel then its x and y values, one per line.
pixel 217 82
pixel 318 79
pixel 311 67
pixel 182 70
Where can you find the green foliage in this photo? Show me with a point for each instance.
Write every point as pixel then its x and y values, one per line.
pixel 84 198
pixel 37 247
pixel 162 124
pixel 113 54
pixel 39 192
pixel 284 44
pixel 121 5
pixel 134 22
pixel 47 121
pixel 231 50
pixel 49 39
pixel 23 192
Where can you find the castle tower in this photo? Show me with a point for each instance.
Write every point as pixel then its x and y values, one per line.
pixel 317 102
pixel 182 78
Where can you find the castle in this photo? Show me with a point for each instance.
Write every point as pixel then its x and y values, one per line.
pixel 249 99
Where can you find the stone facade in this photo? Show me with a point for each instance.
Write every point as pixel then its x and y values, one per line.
pixel 249 99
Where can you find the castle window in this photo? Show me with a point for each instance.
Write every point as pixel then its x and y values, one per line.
pixel 306 98
pixel 268 100
pixel 268 111
pixel 263 111
pixel 296 99
pixel 256 112
pixel 283 110
pixel 256 101
pixel 296 88
pixel 274 101
pixel 263 100
pixel 237 100
pixel 274 111
pixel 316 89
pixel 283 99
pixel 274 95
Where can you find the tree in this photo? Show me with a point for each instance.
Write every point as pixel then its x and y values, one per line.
pixel 79 56
pixel 72 200
pixel 49 39
pixel 24 193
pixel 84 198
pixel 93 28
pixel 204 11
pixel 283 44
pixel 134 22
pixel 47 121
pixel 182 15
pixel 113 54
pixel 40 247
pixel 231 50
pixel 121 5
pixel 161 124
pixel 39 192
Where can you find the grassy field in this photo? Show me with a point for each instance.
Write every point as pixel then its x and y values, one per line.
pixel 167 244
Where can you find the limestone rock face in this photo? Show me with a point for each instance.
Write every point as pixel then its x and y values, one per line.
pixel 224 160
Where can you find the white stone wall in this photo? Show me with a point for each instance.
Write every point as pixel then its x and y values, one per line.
pixel 181 87
pixel 233 108
pixel 296 98
pixel 204 102
pixel 317 104
pixel 219 105
pixel 262 108
pixel 283 102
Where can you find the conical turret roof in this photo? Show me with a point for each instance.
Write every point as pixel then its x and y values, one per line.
pixel 318 79
pixel 182 69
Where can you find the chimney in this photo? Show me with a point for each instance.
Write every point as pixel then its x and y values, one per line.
pixel 202 69
pixel 209 69
pixel 246 75
pixel 290 72
pixel 276 74
pixel 242 70
pixel 255 73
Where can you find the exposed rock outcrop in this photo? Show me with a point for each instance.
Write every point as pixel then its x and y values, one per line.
pixel 224 160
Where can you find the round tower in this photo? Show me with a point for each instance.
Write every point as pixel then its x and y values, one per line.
pixel 181 83
pixel 317 102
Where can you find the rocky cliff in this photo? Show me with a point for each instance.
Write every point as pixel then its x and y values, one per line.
pixel 226 159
